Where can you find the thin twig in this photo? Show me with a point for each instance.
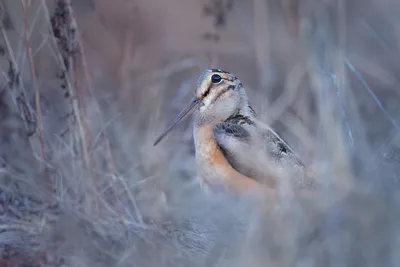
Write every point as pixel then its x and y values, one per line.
pixel 17 227
pixel 36 88
pixel 334 79
pixel 18 86
pixel 373 95
pixel 89 84
pixel 340 79
pixel 90 87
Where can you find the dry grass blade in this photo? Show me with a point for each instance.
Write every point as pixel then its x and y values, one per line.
pixel 37 93
pixel 66 53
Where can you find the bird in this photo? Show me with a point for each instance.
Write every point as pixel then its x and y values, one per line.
pixel 233 148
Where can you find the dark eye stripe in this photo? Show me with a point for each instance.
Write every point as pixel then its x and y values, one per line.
pixel 207 92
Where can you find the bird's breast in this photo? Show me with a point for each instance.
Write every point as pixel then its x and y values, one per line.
pixel 213 167
pixel 207 150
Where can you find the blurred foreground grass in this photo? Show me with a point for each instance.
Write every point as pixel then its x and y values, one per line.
pixel 85 89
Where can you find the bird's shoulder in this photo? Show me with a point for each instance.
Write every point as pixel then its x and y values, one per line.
pixel 245 129
pixel 239 126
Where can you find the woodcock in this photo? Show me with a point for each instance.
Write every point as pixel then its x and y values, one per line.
pixel 233 147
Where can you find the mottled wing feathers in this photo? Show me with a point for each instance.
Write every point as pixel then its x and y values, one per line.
pixel 240 139
pixel 278 146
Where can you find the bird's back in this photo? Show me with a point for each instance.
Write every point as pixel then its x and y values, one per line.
pixel 253 148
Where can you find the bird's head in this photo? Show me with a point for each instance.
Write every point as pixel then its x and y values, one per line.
pixel 218 96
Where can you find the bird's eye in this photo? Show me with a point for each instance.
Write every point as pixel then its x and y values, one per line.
pixel 216 78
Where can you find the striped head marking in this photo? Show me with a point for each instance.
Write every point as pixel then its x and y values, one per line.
pixel 218 95
pixel 216 85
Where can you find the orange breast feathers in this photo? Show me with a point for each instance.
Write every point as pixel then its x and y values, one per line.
pixel 211 156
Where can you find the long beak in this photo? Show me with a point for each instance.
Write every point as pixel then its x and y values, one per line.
pixel 178 118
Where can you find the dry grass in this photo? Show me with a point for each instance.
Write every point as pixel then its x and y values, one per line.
pixel 86 86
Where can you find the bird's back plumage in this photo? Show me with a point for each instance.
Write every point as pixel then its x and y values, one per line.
pixel 249 145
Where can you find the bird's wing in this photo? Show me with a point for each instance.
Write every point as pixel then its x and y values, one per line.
pixel 276 145
pixel 249 148
pixel 234 140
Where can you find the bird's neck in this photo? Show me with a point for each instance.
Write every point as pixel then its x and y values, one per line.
pixel 240 114
pixel 212 165
pixel 213 119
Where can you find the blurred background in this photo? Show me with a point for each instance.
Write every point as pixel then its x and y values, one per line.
pixel 87 85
